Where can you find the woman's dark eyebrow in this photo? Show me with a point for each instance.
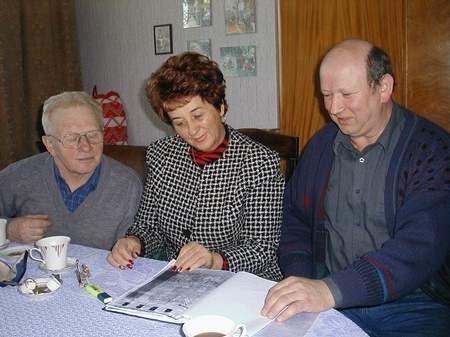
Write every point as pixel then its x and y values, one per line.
pixel 195 109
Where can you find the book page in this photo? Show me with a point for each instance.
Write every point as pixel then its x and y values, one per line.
pixel 240 298
pixel 169 294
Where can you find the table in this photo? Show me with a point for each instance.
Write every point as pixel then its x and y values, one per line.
pixel 70 311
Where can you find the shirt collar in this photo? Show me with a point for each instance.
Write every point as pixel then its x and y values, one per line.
pixel 384 141
pixel 89 185
pixel 202 158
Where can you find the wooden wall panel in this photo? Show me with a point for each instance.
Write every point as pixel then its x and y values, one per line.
pixel 308 28
pixel 428 59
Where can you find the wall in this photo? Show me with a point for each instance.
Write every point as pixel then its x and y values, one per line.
pixel 117 52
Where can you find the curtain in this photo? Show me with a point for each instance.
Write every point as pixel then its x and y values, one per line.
pixel 38 58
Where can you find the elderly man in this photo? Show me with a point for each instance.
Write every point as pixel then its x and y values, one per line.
pixel 367 212
pixel 72 189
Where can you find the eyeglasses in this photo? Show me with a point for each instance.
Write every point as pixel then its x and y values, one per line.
pixel 72 140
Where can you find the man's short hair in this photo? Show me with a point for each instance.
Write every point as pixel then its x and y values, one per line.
pixel 378 65
pixel 69 99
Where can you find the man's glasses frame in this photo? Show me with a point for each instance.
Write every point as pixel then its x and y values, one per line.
pixel 73 140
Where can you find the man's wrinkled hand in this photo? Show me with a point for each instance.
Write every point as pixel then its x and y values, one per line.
pixel 297 294
pixel 28 228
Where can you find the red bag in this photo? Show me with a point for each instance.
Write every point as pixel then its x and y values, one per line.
pixel 114 117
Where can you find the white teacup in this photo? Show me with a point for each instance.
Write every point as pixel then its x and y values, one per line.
pixel 213 326
pixel 53 251
pixel 2 231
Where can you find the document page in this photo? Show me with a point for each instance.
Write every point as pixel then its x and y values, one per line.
pixel 240 298
pixel 169 294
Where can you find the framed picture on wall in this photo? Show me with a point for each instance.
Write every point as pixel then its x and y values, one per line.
pixel 240 16
pixel 238 61
pixel 200 46
pixel 162 35
pixel 196 13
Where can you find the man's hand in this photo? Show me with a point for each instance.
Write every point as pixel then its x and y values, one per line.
pixel 297 294
pixel 28 228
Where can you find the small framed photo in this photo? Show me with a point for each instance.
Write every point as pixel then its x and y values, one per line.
pixel 238 61
pixel 196 13
pixel 163 39
pixel 240 16
pixel 200 46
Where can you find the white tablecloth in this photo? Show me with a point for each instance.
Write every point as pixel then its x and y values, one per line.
pixel 70 311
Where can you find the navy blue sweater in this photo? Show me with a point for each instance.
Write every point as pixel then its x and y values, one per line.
pixel 417 208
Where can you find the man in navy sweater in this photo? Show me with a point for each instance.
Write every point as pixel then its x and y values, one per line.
pixel 366 219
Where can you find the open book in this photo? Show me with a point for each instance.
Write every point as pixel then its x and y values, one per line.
pixel 176 297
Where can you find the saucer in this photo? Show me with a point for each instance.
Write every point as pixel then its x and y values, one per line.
pixel 4 245
pixel 70 264
pixel 39 286
pixel 14 251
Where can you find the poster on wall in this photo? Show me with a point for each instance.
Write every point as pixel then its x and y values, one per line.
pixel 240 16
pixel 200 46
pixel 196 13
pixel 162 35
pixel 238 61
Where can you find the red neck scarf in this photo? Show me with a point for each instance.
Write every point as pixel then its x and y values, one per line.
pixel 202 158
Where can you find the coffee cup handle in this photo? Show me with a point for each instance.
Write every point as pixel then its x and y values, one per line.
pixel 36 258
pixel 242 329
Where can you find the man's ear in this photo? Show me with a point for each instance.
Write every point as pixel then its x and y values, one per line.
pixel 386 87
pixel 48 144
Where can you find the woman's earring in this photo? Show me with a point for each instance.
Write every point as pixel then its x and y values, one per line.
pixel 224 118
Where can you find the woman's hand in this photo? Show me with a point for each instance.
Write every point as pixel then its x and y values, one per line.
pixel 124 252
pixel 194 255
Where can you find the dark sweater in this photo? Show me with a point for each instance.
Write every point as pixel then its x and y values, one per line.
pixel 417 209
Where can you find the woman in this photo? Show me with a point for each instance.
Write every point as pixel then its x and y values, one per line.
pixel 212 196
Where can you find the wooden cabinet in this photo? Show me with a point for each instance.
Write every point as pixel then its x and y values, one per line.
pixel 428 59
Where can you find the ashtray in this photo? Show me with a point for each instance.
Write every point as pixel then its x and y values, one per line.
pixel 39 286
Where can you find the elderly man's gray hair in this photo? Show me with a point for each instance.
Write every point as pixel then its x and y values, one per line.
pixel 69 99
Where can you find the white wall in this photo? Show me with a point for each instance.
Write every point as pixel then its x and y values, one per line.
pixel 117 53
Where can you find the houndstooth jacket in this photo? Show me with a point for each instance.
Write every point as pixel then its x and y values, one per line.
pixel 232 206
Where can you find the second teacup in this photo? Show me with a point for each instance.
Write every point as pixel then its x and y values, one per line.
pixel 213 326
pixel 53 251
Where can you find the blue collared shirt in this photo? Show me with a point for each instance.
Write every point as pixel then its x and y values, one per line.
pixel 354 203
pixel 74 199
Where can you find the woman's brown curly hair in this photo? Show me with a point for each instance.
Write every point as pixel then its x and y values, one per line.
pixel 183 77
